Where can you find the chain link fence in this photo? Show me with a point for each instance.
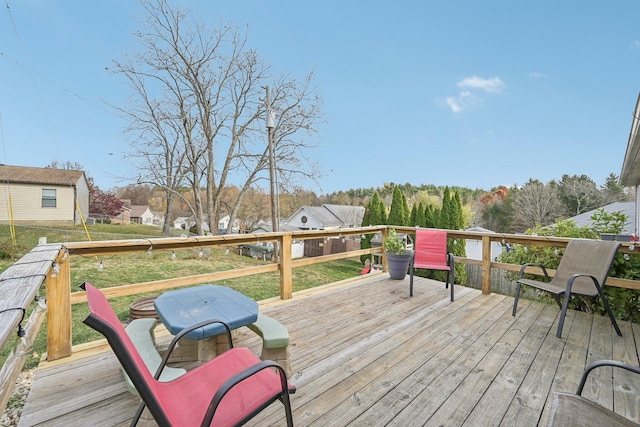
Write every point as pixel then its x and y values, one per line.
pixel 18 240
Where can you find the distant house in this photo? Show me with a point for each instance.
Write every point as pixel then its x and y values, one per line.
pixel 327 217
pixel 141 214
pixel 473 248
pixel 124 217
pixel 43 195
pixel 183 222
pixel 223 224
pixel 186 222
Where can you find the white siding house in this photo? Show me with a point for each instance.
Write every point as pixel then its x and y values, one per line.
pixel 141 214
pixel 43 195
pixel 473 248
pixel 326 217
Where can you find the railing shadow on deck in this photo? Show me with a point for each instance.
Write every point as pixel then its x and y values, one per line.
pixel 50 264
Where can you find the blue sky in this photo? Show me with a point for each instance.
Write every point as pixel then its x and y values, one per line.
pixel 468 93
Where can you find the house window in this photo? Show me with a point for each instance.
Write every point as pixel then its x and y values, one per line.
pixel 48 198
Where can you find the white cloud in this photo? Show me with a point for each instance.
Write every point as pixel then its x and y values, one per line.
pixel 469 97
pixel 464 101
pixel 494 85
pixel 537 75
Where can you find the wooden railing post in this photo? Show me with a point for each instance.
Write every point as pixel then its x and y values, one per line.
pixel 59 304
pixel 486 264
pixel 286 267
pixel 385 232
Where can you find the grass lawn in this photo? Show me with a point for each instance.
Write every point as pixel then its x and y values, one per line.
pixel 138 268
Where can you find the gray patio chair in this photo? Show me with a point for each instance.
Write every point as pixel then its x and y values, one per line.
pixel 582 271
pixel 574 410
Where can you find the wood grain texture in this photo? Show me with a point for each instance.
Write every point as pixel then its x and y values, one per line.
pixel 366 353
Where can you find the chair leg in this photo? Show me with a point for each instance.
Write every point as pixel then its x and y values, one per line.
pixel 450 279
pixel 411 278
pixel 563 313
pixel 138 414
pixel 607 308
pixel 515 301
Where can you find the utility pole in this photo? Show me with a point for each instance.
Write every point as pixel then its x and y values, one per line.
pixel 271 119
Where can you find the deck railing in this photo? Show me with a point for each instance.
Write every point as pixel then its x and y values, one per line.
pixel 50 264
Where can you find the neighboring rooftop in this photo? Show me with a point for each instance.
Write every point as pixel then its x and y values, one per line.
pixel 628 208
pixel 29 175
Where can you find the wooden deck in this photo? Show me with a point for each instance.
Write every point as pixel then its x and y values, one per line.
pixel 368 354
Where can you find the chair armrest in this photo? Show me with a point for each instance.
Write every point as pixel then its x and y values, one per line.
pixel 237 379
pixel 605 362
pixel 450 259
pixel 185 331
pixel 533 264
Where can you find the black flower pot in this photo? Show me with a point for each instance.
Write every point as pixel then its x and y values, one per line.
pixel 398 265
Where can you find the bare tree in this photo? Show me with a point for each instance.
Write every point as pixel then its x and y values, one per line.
pixel 578 194
pixel 535 204
pixel 207 108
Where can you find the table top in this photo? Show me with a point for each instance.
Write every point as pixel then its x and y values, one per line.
pixel 182 308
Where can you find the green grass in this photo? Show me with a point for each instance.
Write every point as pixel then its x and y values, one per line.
pixel 138 268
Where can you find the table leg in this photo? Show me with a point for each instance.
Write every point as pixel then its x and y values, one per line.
pixel 209 348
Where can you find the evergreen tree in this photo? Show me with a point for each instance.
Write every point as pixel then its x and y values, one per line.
pixel 396 212
pixel 413 217
pixel 458 246
pixel 431 218
pixel 446 211
pixel 421 218
pixel 405 208
pixel 371 217
pixel 382 211
pixel 612 190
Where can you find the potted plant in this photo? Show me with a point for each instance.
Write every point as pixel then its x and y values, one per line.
pixel 398 256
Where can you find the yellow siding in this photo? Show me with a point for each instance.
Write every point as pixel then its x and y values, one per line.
pixel 26 203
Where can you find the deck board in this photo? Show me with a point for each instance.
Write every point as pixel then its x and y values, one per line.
pixel 368 354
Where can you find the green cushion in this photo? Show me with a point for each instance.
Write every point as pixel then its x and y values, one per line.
pixel 273 333
pixel 140 331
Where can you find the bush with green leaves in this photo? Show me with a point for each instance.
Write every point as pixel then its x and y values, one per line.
pixel 624 302
pixel 394 244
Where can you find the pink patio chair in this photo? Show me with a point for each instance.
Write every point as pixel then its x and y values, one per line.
pixel 430 252
pixel 228 390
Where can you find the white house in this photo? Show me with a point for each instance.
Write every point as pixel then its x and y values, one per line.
pixel 43 195
pixel 141 214
pixel 473 248
pixel 223 223
pixel 186 222
pixel 327 217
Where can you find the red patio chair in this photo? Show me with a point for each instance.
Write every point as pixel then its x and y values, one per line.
pixel 430 252
pixel 227 390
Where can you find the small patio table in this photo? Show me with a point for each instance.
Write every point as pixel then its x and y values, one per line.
pixel 185 307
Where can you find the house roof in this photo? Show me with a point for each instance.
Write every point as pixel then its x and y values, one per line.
pixel 332 215
pixel 323 216
pixel 138 210
pixel 478 229
pixel 29 175
pixel 630 175
pixel 350 215
pixel 627 208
